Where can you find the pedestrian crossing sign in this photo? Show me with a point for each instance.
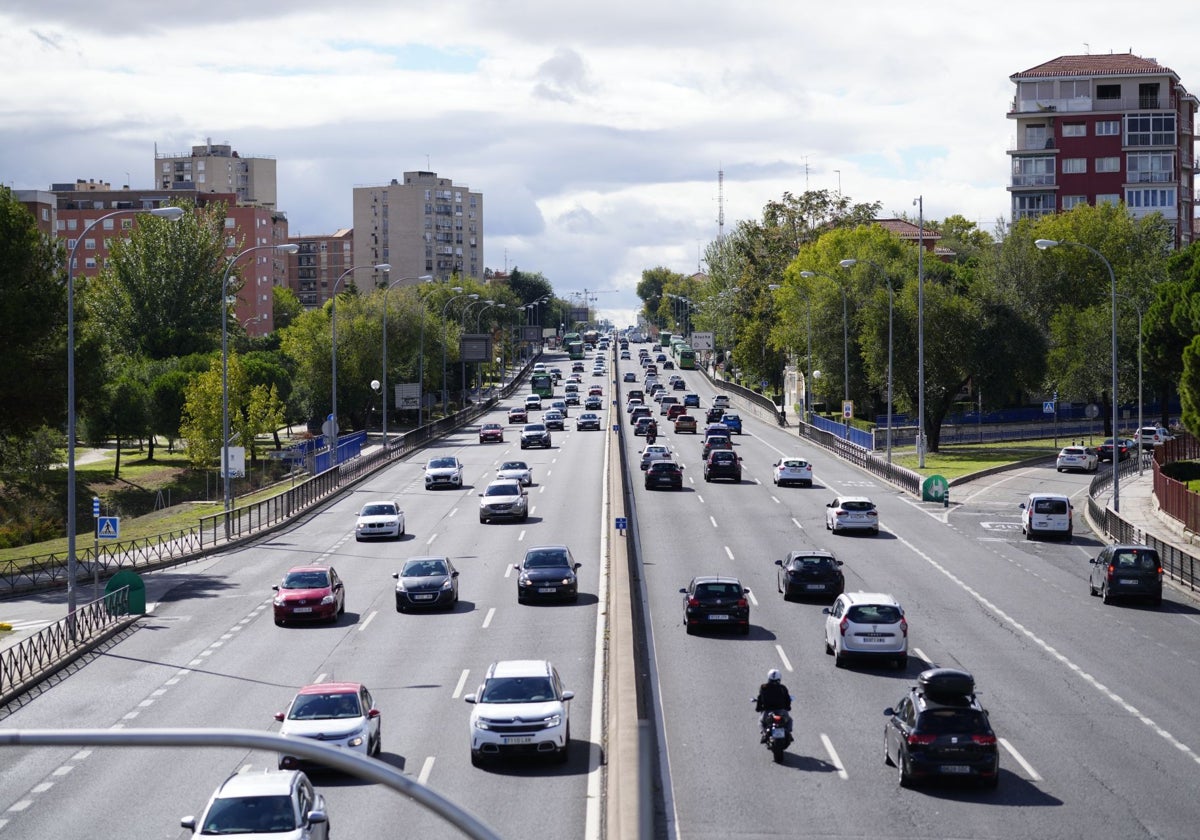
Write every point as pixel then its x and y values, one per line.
pixel 108 527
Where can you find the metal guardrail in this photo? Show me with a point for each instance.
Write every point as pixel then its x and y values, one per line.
pixel 32 660
pixel 904 478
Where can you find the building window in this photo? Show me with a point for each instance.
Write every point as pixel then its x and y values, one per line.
pixel 1108 91
pixel 127 223
pixel 1108 164
pixel 1033 171
pixel 1150 198
pixel 1074 129
pixel 230 224
pixel 1150 168
pixel 1150 130
pixel 72 224
pixel 1074 166
pixel 1108 128
pixel 1032 205
pixel 108 224
pixel 1071 201
pixel 89 244
pixel 1075 89
pixel 89 262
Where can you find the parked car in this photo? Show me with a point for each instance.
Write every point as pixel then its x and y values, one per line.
pixel 1127 571
pixel 535 434
pixel 866 625
pixel 792 471
pixel 504 498
pixel 716 600
pixel 444 471
pixel 851 513
pixel 426 582
pixel 1047 513
pixel 491 433
pixel 547 572
pixel 808 573
pixel 520 708
pixel 722 463
pixel 309 593
pixel 379 519
pixel 1077 458
pixel 251 804
pixel 664 474
pixel 338 714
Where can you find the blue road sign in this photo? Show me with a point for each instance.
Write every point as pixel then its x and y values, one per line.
pixel 95 507
pixel 622 523
pixel 108 527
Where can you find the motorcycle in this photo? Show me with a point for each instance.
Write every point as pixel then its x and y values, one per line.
pixel 776 726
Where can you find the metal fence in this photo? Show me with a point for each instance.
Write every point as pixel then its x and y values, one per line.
pixel 904 478
pixel 1173 496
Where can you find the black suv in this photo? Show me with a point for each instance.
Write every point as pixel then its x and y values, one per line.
pixel 535 434
pixel 716 600
pixel 1127 571
pixel 664 472
pixel 939 729
pixel 722 463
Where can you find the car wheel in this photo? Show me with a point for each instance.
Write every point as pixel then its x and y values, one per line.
pixel 1157 600
pixel 483 519
pixel 399 606
pixel 887 756
pixel 378 744
pixel 1059 469
pixel 839 659
pixel 828 647
pixel 341 610
pixel 1091 589
pixel 690 629
pixel 278 622
pixel 903 776
pixel 992 781
pixel 1105 596
pixel 357 538
pixel 476 759
pixel 564 754
pixel 401 534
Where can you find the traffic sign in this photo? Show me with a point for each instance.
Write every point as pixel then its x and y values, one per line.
pixel 847 409
pixel 95 507
pixel 934 489
pixel 108 527
pixel 1048 407
pixel 622 523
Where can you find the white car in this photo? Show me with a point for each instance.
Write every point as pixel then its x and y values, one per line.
pixel 518 471
pixel 504 498
pixel 866 625
pixel 1077 458
pixel 379 519
pixel 655 452
pixel 720 401
pixel 520 708
pixel 443 472
pixel 533 403
pixel 792 471
pixel 851 513
pixel 280 805
pixel 338 714
pixel 1152 436
pixel 1047 513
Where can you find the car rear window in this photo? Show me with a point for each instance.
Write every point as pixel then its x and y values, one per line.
pixel 947 721
pixel 874 614
pixel 857 506
pixel 1050 506
pixel 1146 558
pixel 718 590
pixel 812 563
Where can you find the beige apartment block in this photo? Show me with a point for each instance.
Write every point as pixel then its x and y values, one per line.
pixel 218 168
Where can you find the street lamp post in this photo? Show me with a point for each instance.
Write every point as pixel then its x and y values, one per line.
pixel 171 214
pixel 463 325
pixel 333 422
pixel 920 202
pixel 227 485
pixel 1044 244
pixel 845 343
pixel 425 278
pixel 445 339
pixel 1138 306
pixel 479 322
pixel 848 264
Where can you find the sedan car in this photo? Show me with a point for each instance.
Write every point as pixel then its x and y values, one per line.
pixel 443 472
pixel 675 409
pixel 1124 449
pixel 521 708
pixel 281 805
pixel 644 425
pixel 379 519
pixel 548 572
pixel 594 403
pixel 587 421
pixel 664 474
pixel 715 442
pixel 517 471
pixel 792 471
pixel 554 420
pixel 655 452
pixel 1127 571
pixel 491 433
pixel 504 498
pixel 309 593
pixel 866 625
pixel 685 423
pixel 518 415
pixel 338 714
pixel 804 574
pixel 426 582
pixel 716 601
pixel 851 513
pixel 535 434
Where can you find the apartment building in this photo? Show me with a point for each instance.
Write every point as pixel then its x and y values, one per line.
pixel 1104 128
pixel 218 168
pixel 321 261
pixel 420 225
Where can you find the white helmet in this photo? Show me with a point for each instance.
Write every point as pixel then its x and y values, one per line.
pixel 773 675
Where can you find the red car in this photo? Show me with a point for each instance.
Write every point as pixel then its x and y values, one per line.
pixel 309 593
pixel 518 415
pixel 491 432
pixel 595 391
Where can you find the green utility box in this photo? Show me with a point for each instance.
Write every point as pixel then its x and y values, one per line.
pixel 137 590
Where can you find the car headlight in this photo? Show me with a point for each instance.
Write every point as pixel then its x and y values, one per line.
pixel 278 601
pixel 327 600
pixel 446 584
pixel 554 720
pixel 523 580
pixel 481 723
pixel 356 740
pixel 400 586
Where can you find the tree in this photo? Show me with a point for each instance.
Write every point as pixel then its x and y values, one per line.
pixel 124 413
pixel 285 307
pixel 253 410
pixel 1189 387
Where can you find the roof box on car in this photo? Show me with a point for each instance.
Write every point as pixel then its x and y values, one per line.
pixel 946 683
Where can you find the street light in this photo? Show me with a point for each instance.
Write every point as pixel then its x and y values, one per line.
pixel 920 202
pixel 478 327
pixel 845 344
pixel 848 264
pixel 1044 244
pixel 171 214
pixel 424 278
pixel 445 339
pixel 462 363
pixel 1137 304
pixel 333 422
pixel 226 484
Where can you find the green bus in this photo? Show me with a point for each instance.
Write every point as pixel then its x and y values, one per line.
pixel 542 384
pixel 575 350
pixel 687 358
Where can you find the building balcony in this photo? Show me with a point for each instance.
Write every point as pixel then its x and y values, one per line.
pixel 1039 180
pixel 1085 104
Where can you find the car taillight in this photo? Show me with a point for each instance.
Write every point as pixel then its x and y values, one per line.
pixel 904 626
pixel 693 602
pixel 839 512
pixel 915 740
pixel 984 740
pixel 843 624
pixel 742 602
pixel 872 513
pixel 1111 570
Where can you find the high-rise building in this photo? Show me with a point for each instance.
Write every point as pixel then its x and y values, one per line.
pixel 1104 128
pixel 218 168
pixel 422 225
pixel 316 267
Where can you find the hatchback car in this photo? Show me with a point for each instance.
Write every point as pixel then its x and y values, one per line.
pixel 1080 458
pixel 716 600
pixel 518 415
pixel 851 513
pixel 940 730
pixel 504 498
pixel 1047 513
pixel 664 474
pixel 666 403
pixel 1152 436
pixel 554 420
pixel 587 421
pixel 639 411
pixel 1127 571
pixel 426 582
pixel 491 433
pixel 804 574
pixel 560 406
pixel 309 593
pixel 691 400
pixel 548 572
pixel 655 452
pixel 732 421
pixel 535 434
pixel 516 470
pixel 520 708
pixel 714 415
pixel 340 714
pixel 629 376
pixel 722 463
pixel 720 401
pixel 644 425
pixel 685 423
pixel 679 385
pixel 715 442
pixel 675 410
pixel 281 805
pixel 792 471
pixel 379 519
pixel 443 472
pixel 866 625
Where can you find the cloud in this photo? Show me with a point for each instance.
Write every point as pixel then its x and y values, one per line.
pixel 563 77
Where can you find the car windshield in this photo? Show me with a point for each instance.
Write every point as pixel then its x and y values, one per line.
pixel 423 568
pixel 874 614
pixel 250 815
pixel 505 489
pixel 325 706
pixel 514 465
pixel 518 690
pixel 545 559
pixel 379 510
pixel 442 463
pixel 947 721
pixel 305 580
pixel 535 427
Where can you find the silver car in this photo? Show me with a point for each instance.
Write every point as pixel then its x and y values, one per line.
pixel 517 471
pixel 443 472
pixel 866 625
pixel 281 805
pixel 504 498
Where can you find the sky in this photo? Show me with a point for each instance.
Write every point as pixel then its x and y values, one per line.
pixel 595 131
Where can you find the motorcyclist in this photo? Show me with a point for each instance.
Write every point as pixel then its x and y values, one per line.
pixel 651 432
pixel 773 696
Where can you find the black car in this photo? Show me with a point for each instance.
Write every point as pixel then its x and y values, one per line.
pixel 723 463
pixel 716 601
pixel 638 412
pixel 1127 571
pixel 547 573
pixel 805 574
pixel 714 415
pixel 939 730
pixel 554 420
pixel 594 403
pixel 664 473
pixel 426 582
pixel 535 434
pixel 1124 448
pixel 587 421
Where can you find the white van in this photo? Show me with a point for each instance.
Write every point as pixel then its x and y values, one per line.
pixel 1047 513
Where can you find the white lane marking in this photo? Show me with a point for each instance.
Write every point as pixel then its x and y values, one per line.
pixel 488 618
pixel 542 487
pixel 366 621
pixel 432 537
pixel 64 770
pixel 783 656
pixel 520 538
pixel 833 757
pixel 462 681
pixel 42 787
pixel 797 524
pixel 1048 648
pixel 713 521
pixel 426 769
pixel 532 509
pixel 321 678
pixel 508 570
pixel 920 654
pixel 728 552
pixel 1020 759
pixel 452 512
pixel 776 501
pixel 698 496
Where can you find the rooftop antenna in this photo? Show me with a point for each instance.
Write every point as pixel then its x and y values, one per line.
pixel 720 205
pixel 1087 48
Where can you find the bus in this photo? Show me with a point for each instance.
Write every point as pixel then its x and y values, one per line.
pixel 687 358
pixel 542 384
pixel 575 349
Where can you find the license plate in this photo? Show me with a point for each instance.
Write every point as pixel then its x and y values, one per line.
pixel 519 739
pixel 872 640
pixel 422 597
pixel 778 732
pixel 955 769
pixel 1128 582
pixel 718 618
pixel 302 610
pixel 547 589
pixel 814 586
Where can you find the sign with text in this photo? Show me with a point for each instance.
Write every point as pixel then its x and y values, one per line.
pixel 702 341
pixel 237 462
pixel 531 332
pixel 407 396
pixel 475 347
